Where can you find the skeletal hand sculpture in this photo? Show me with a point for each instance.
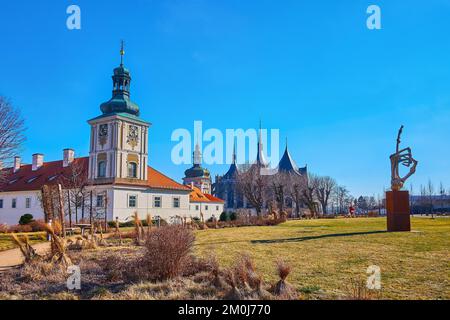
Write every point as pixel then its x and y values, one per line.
pixel 404 157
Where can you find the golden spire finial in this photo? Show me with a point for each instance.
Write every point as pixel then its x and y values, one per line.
pixel 122 52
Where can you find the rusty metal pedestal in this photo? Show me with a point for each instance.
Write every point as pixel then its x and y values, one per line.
pixel 398 211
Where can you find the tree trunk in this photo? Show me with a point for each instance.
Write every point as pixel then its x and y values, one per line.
pixel 61 211
pixel 69 209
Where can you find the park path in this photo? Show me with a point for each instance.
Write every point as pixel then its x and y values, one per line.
pixel 13 257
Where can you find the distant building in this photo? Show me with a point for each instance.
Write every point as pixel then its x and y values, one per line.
pixel 197 175
pixel 425 204
pixel 208 205
pixel 226 186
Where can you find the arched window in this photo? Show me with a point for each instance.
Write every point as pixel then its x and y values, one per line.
pixel 101 169
pixel 132 170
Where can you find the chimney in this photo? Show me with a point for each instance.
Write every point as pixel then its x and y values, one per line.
pixel 1 165
pixel 16 164
pixel 38 161
pixel 68 157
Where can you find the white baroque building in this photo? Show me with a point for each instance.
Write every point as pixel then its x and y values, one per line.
pixel 119 181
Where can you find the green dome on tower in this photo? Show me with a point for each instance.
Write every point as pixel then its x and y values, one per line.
pixel 120 101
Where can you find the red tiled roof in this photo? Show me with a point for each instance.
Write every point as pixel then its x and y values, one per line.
pixel 214 199
pixel 197 196
pixel 53 172
pixel 50 173
pixel 160 181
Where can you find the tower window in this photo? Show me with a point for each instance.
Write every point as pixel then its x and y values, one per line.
pixel 132 170
pixel 101 169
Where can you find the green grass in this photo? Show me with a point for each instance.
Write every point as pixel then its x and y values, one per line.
pixel 6 241
pixel 327 254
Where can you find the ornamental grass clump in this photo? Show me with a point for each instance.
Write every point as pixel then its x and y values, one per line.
pixel 282 288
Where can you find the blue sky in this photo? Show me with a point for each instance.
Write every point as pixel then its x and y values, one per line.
pixel 312 69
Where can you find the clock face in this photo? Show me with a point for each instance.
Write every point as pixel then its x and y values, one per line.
pixel 133 132
pixel 133 136
pixel 102 134
pixel 103 131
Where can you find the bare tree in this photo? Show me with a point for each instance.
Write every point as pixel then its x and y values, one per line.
pixel 325 186
pixel 430 192
pixel 12 128
pixel 75 185
pixel 308 194
pixel 342 199
pixel 254 187
pixel 295 185
pixel 279 186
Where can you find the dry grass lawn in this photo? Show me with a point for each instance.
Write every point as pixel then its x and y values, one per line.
pixel 6 241
pixel 327 254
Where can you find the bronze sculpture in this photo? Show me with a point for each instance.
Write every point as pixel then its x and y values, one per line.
pixel 404 157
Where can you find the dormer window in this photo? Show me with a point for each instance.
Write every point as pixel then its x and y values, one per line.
pixel 32 179
pixel 13 181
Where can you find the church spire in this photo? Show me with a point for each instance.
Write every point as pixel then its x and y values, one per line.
pixel 260 160
pixel 122 53
pixel 197 155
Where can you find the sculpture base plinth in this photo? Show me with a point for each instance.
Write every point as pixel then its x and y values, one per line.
pixel 398 212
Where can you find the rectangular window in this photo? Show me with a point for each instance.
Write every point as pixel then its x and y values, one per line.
pixel 28 203
pixel 132 201
pixel 176 202
pixel 196 208
pixel 100 201
pixel 1 203
pixel 217 208
pixel 14 203
pixel 206 207
pixel 157 202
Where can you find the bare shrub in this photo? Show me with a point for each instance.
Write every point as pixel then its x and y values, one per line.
pixel 167 251
pixel 234 293
pixel 40 269
pixel 18 228
pixel 260 292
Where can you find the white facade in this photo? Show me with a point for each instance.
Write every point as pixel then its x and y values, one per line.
pixel 209 209
pixel 156 202
pixel 25 202
pixel 119 202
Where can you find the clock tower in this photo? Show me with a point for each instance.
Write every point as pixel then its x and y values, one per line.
pixel 119 137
